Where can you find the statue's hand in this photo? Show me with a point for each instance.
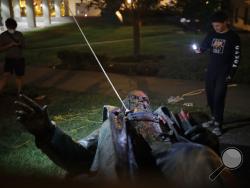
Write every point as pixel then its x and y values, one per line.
pixel 33 117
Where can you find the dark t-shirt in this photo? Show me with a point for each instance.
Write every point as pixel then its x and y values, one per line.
pixel 224 51
pixel 14 52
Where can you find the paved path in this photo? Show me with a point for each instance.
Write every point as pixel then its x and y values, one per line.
pixel 95 82
pixel 86 81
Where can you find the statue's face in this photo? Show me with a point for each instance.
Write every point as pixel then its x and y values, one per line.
pixel 137 101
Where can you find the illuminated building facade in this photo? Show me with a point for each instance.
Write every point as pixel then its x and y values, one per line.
pixel 31 10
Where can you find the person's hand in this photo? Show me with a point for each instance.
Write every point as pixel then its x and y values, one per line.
pixel 14 44
pixel 197 51
pixel 33 117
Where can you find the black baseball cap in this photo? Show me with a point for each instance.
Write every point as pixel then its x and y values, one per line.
pixel 219 16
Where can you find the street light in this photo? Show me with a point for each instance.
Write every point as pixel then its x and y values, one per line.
pixel 129 1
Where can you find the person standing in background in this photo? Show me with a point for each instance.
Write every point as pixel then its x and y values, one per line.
pixel 224 47
pixel 12 43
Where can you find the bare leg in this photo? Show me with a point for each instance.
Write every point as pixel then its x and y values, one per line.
pixel 19 83
pixel 4 81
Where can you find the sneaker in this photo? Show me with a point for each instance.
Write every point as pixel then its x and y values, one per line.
pixel 217 129
pixel 208 124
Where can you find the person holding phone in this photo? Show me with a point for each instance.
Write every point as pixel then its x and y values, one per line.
pixel 224 51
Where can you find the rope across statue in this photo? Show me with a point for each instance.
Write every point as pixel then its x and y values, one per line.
pixel 131 145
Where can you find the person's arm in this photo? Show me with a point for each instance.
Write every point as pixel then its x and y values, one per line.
pixel 65 152
pixel 58 146
pixel 236 57
pixel 7 46
pixel 205 44
pixel 22 41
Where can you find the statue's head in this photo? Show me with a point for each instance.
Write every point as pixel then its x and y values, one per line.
pixel 137 101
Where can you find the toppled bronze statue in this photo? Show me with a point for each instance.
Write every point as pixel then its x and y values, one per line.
pixel 130 145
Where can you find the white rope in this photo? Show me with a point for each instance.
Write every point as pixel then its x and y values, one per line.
pixel 99 63
pixel 173 99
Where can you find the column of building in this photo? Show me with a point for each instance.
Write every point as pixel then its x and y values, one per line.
pixel 57 8
pixel 46 12
pixel 30 14
pixel 5 10
pixel 16 9
pixel 13 10
pixel 66 7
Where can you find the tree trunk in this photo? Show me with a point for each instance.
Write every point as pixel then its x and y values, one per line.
pixel 136 33
pixel 227 7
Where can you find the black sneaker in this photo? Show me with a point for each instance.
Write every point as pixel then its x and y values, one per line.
pixel 217 129
pixel 209 123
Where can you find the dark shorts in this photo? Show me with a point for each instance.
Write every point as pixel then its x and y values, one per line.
pixel 16 66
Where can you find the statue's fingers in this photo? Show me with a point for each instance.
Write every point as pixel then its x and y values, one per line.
pixel 45 108
pixel 20 119
pixel 24 107
pixel 21 113
pixel 45 111
pixel 30 102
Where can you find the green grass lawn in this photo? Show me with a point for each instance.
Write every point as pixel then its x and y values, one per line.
pixel 69 34
pixel 165 40
pixel 78 114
